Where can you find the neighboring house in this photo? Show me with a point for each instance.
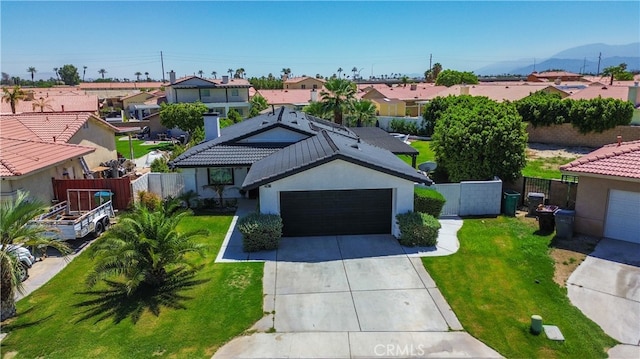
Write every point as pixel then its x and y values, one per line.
pixel 413 95
pixel 29 165
pixel 303 83
pixel 320 177
pixel 118 89
pixel 501 92
pixel 44 103
pixel 608 197
pixel 219 95
pixel 83 129
pixel 292 99
pixel 596 90
pixel 551 76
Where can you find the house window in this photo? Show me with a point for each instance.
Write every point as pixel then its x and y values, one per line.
pixel 220 175
pixel 315 86
pixel 303 86
pixel 206 93
pixel 234 92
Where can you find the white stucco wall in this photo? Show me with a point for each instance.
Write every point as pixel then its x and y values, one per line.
pixel 339 175
pixel 480 197
pixel 277 134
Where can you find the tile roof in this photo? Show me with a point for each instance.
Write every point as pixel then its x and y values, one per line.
pixel 380 138
pixel 554 74
pixel 289 96
pixel 120 85
pixel 53 127
pixel 604 91
pixel 423 91
pixel 611 160
pixel 294 80
pixel 497 92
pixel 224 156
pixel 326 147
pixel 55 103
pixel 20 156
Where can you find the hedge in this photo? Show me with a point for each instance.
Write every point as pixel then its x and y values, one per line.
pixel 428 201
pixel 260 231
pixel 418 229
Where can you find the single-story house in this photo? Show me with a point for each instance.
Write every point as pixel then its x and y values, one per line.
pixel 608 196
pixel 322 178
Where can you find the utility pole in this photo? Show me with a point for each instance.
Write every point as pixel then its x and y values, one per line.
pixel 584 65
pixel 599 58
pixel 430 58
pixel 534 64
pixel 162 62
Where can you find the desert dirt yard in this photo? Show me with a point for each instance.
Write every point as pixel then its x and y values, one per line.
pixel 543 150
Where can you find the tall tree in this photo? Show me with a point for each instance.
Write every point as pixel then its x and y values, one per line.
pixel 200 73
pixel 69 75
pixel 33 71
pixel 452 77
pixel 404 79
pixel 317 109
pixel 616 72
pixel 144 247
pixel 13 97
pixel 355 72
pixel 14 216
pixel 186 116
pixel 230 71
pixel 363 112
pixel 137 75
pixel 84 71
pixel 146 74
pixel 338 97
pixel 55 69
pixel 340 71
pixel 102 72
pixel 42 104
pixel 214 74
pixel 258 103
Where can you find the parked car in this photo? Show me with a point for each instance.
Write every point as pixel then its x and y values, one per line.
pixel 24 256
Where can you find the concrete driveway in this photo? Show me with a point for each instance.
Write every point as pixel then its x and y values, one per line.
pixel 352 297
pixel 606 288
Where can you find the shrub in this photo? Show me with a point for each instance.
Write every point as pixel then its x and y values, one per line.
pixel 150 200
pixel 260 231
pixel 418 229
pixel 428 201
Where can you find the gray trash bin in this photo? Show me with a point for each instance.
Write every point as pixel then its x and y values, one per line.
pixel 564 223
pixel 535 199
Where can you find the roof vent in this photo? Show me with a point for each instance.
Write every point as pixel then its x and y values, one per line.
pixel 355 145
pixel 264 123
pixel 295 122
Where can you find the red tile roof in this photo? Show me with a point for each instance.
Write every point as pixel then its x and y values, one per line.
pixel 46 127
pixel 294 80
pixel 20 157
pixel 422 91
pixel 289 96
pixel 55 103
pixel 120 85
pixel 611 160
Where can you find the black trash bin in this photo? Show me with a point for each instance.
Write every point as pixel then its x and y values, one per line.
pixel 546 218
pixel 564 223
pixel 535 199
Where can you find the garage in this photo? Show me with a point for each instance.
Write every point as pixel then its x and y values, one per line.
pixel 623 216
pixel 336 212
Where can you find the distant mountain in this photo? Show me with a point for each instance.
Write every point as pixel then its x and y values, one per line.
pixel 581 59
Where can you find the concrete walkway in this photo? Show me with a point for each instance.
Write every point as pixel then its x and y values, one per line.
pixel 351 297
pixel 606 288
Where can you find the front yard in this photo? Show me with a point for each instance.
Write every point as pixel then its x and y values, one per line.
pixel 503 274
pixel 61 320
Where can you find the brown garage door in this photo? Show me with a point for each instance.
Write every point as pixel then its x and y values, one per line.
pixel 319 213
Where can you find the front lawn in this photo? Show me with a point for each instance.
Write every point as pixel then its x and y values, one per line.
pixel 139 149
pixel 202 314
pixel 501 276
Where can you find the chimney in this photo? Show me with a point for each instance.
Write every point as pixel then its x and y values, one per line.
pixel 211 126
pixel 464 90
pixel 225 79
pixel 172 77
pixel 314 95
pixel 619 138
pixel 634 95
pixel 414 87
pixel 62 108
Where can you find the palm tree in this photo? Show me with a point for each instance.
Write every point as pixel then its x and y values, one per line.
pixel 363 112
pixel 341 93
pixel 404 79
pixel 316 109
pixel 55 69
pixel 102 72
pixel 340 71
pixel 239 73
pixel 355 72
pixel 32 70
pixel 14 216
pixel 200 73
pixel 214 74
pixel 286 72
pixel 43 104
pixel 138 74
pixel 230 71
pixel 84 71
pixel 143 246
pixel 13 97
pixel 146 74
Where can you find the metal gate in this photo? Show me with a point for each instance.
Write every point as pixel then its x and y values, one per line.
pixel 537 185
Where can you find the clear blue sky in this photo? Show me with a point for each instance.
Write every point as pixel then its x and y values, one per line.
pixel 308 37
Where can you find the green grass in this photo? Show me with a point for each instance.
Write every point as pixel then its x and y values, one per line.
pixel 501 276
pixel 548 168
pixel 139 149
pixel 225 301
pixel 426 154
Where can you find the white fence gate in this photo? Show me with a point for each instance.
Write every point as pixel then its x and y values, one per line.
pixel 451 192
